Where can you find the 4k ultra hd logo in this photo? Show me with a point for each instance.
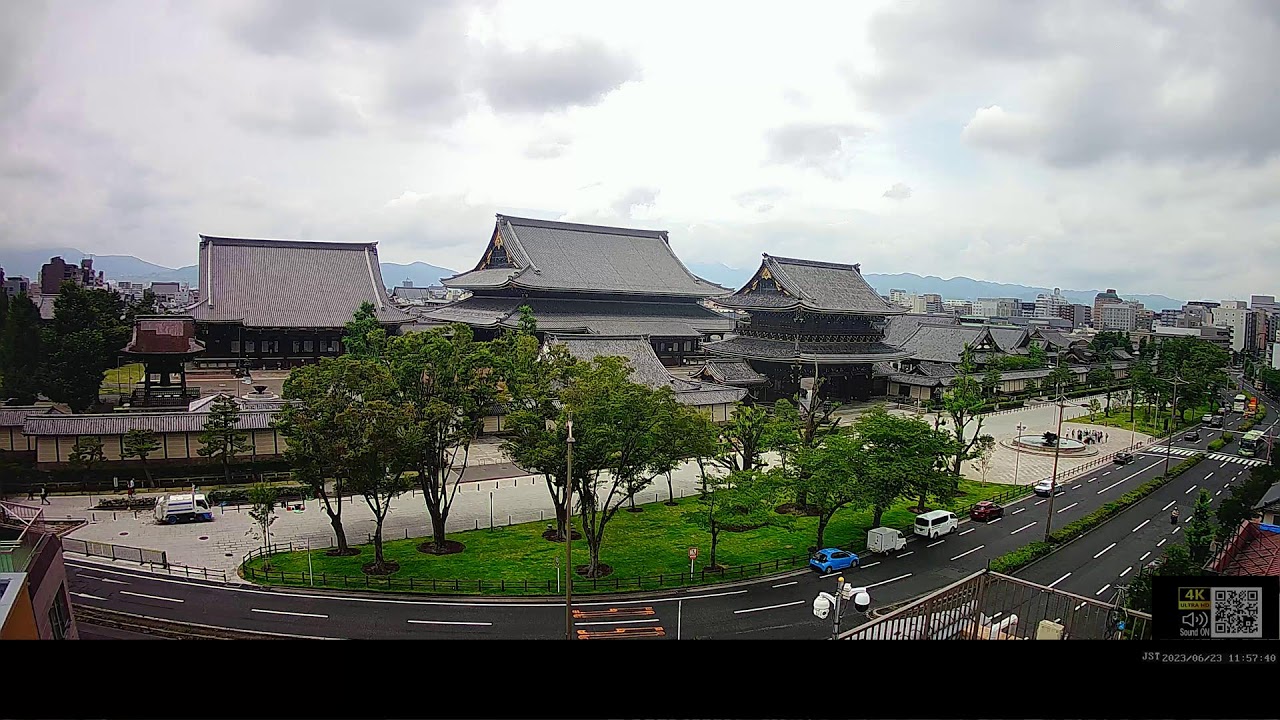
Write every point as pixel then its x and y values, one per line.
pixel 1194 605
pixel 1218 607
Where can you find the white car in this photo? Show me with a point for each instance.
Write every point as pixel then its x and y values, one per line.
pixel 1044 487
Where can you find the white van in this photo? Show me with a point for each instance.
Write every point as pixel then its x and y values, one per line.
pixel 182 506
pixel 935 523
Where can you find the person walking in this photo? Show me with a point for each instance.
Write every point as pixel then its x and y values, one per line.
pixel 44 495
pixel 31 492
pixel 1173 517
pixel 131 490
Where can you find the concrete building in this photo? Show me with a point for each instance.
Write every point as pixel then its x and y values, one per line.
pixel 901 298
pixel 997 307
pixel 1104 298
pixel 1081 315
pixel 34 604
pixel 926 303
pixel 57 271
pixel 957 307
pixel 1235 316
pixel 16 285
pixel 1050 306
pixel 1116 316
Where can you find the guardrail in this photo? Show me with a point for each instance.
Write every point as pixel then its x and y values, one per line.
pixel 92 548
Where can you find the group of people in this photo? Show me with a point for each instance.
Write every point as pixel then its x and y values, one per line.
pixel 1089 437
pixel 44 491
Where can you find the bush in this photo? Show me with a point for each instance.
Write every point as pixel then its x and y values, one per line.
pixel 1024 555
pixel 241 495
pixel 126 504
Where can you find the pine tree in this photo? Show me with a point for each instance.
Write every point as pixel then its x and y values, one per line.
pixel 221 440
pixel 20 352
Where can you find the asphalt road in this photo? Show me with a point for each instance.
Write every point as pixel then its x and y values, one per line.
pixel 772 608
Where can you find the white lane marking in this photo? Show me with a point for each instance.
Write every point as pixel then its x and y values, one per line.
pixel 770 607
pixel 385 601
pixel 868 565
pixel 1239 473
pixel 1224 487
pixel 1224 464
pixel 1064 577
pixel 454 622
pixel 1057 620
pixel 1024 527
pixel 989 523
pixel 1015 512
pixel 1163 541
pixel 1125 479
pixel 909 552
pixel 282 612
pixel 1142 525
pixel 833 574
pixel 1188 492
pixel 1105 474
pixel 605 622
pixel 1068 507
pixel 152 597
pixel 886 582
pixel 1103 589
pixel 1175 530
pixel 967 552
pixel 1145 555
pixel 105 580
pixel 1166 507
pixel 1103 550
pixel 966 532
pixel 1042 501
pixel 1206 477
pixel 87 595
pixel 1126 571
pixel 935 543
pixel 1217 493
pixel 793 582
pixel 1108 487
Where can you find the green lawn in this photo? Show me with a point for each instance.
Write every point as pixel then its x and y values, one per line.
pixel 1147 423
pixel 650 543
pixel 122 378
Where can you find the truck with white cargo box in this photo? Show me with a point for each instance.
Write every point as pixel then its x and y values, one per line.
pixel 181 507
pixel 885 540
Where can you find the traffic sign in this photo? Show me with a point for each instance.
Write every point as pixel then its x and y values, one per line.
pixel 693 553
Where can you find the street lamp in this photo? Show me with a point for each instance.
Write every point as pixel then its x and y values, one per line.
pixel 1017 454
pixel 568 532
pixel 825 602
pixel 1057 447
pixel 1173 426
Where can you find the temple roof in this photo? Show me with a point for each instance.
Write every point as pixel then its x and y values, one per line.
pixel 289 284
pixel 598 317
pixel 560 256
pixel 733 372
pixel 945 343
pixel 1011 340
pixel 164 335
pixel 823 353
pixel 900 327
pixel 121 423
pixel 786 283
pixel 16 415
pixel 646 369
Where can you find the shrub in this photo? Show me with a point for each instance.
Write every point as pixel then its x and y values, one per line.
pixel 1216 444
pixel 241 495
pixel 1024 555
pixel 126 504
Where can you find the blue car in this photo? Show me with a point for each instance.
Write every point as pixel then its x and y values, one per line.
pixel 832 559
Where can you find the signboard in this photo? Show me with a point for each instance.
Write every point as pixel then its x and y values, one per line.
pixel 693 553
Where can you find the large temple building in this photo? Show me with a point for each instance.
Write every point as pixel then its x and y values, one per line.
pixel 589 280
pixel 806 318
pixel 282 303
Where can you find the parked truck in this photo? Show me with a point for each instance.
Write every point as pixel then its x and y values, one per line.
pixel 885 540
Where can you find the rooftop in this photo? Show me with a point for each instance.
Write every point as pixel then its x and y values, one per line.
pixel 598 317
pixel 559 256
pixel 164 335
pixel 783 283
pixel 646 369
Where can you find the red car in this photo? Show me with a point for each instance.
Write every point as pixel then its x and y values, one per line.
pixel 986 510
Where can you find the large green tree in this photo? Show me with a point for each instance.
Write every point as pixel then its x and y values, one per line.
pixel 364 337
pixel 1241 498
pixel 385 446
pixel 221 439
pixel 1200 529
pixel 90 326
pixel 1106 377
pixel 802 425
pixel 317 442
pixel 963 402
pixel 1059 380
pixel 737 501
pixel 900 454
pixel 745 438
pixel 990 381
pixel 451 382
pixel 86 453
pixel 831 476
pixel 140 443
pixel 21 351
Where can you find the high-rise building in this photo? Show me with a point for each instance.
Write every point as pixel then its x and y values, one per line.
pixel 1050 306
pixel 1081 315
pixel 1237 318
pixel 926 303
pixel 957 307
pixel 900 297
pixel 57 271
pixel 997 307
pixel 1117 316
pixel 1027 309
pixel 1104 298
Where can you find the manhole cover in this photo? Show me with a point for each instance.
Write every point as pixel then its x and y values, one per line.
pixel 227 554
pixel 204 537
pixel 124 533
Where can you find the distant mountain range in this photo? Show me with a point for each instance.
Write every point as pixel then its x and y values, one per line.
pixel 958 288
pixel 127 267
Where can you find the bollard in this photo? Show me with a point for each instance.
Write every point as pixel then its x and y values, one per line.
pixel 406 533
pixel 540 520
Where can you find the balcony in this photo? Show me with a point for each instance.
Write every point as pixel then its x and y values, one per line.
pixel 21 536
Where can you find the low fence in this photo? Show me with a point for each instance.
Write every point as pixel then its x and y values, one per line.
pixel 142 556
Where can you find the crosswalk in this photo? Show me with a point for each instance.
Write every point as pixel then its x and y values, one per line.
pixel 1220 457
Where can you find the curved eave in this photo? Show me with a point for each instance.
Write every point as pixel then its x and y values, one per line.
pixel 810 359
pixel 801 305
pixel 598 291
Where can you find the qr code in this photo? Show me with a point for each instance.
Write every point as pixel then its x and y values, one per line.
pixel 1236 613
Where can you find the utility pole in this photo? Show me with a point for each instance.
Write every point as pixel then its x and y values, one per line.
pixel 1173 428
pixel 568 534
pixel 1053 489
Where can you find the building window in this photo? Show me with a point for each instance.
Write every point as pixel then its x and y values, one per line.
pixel 60 614
pixel 688 345
pixel 308 346
pixel 297 346
pixel 235 346
pixel 249 346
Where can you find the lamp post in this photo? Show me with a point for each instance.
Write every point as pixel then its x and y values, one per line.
pixel 568 533
pixel 1173 426
pixel 1017 454
pixel 1057 447
pixel 825 603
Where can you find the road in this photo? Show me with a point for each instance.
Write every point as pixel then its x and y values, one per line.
pixel 772 608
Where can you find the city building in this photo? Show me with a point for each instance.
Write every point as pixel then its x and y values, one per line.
pixel 1081 315
pixel 997 307
pixel 1233 314
pixel 926 303
pixel 1104 298
pixel 1220 337
pixel 129 290
pixel 1116 316
pixel 283 303
pixel 15 285
pixel 407 295
pixel 957 307
pixel 57 271
pixel 591 280
pixel 1048 306
pixel 1026 309
pixel 901 298
pixel 34 603
pixel 166 292
pixel 809 318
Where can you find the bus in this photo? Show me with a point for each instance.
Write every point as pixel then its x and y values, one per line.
pixel 1239 403
pixel 1249 443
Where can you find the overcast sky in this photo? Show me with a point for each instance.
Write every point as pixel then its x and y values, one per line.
pixel 1076 144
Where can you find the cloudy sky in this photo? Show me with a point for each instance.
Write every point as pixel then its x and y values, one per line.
pixel 1134 145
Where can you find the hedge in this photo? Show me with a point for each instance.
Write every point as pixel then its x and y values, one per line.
pixel 1021 557
pixel 241 495
pixel 145 503
pixel 1221 442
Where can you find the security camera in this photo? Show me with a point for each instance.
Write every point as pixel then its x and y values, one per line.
pixel 847 591
pixel 821 607
pixel 861 600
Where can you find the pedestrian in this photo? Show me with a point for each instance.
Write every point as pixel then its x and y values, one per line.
pixel 44 495
pixel 1173 517
pixel 31 492
pixel 131 488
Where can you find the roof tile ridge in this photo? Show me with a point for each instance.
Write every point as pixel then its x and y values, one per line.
pixel 515 238
pixel 789 283
pixel 817 263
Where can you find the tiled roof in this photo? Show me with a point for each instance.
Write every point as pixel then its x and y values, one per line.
pixel 1054 338
pixel 742 346
pixel 943 343
pixel 285 283
pixel 782 283
pixel 900 327
pixel 16 415
pixel 1270 497
pixel 646 369
pixel 733 372
pixel 413 293
pixel 164 336
pixel 121 423
pixel 244 402
pixel 604 317
pixel 547 255
pixel 1011 340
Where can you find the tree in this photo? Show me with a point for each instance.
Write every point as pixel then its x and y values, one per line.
pixel 1200 529
pixel 745 438
pixel 450 382
pixel 21 352
pixel 1095 407
pixel 991 381
pixel 221 440
pixel 1031 386
pixel 1104 342
pixel 364 337
pixel 804 424
pixel 87 333
pixel 140 443
pixel 385 446
pixel 1059 380
pixel 1241 498
pixel 618 427
pixel 1038 355
pixel 900 454
pixel 262 510
pixel 831 477
pixel 148 304
pixel 1103 375
pixel 740 500
pixel 317 442
pixel 86 452
pixel 963 402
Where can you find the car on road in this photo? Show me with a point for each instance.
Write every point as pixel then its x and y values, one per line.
pixel 832 559
pixel 1044 488
pixel 1191 435
pixel 1206 418
pixel 986 510
pixel 1216 421
pixel 1123 458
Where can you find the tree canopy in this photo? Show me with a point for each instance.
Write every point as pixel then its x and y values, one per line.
pixel 90 326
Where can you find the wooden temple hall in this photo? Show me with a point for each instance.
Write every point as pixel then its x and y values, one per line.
pixel 805 319
pixel 279 303
pixel 587 280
